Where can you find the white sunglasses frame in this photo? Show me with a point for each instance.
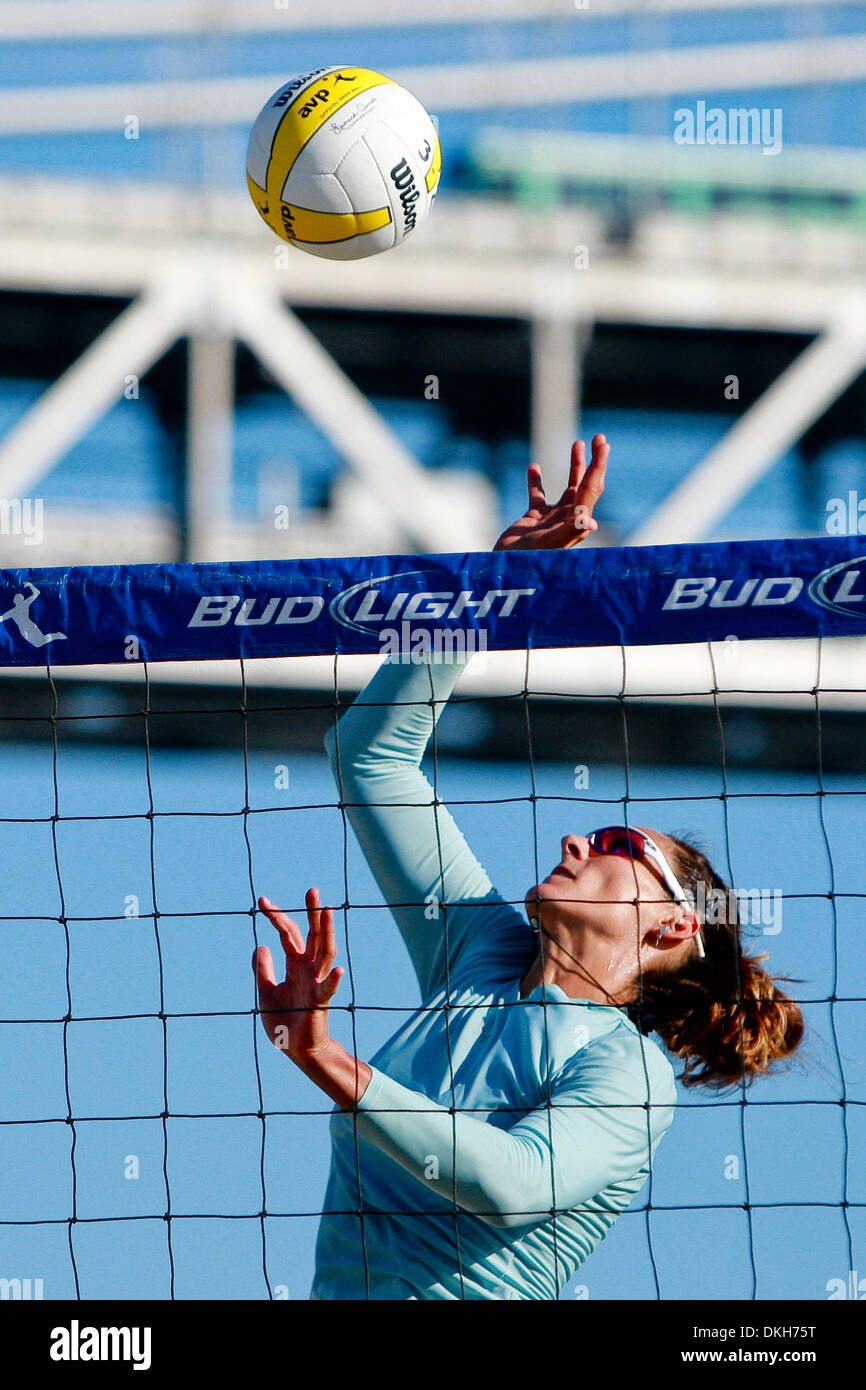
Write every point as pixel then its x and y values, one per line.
pixel 672 883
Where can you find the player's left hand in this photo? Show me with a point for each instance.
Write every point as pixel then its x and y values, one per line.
pixel 295 1013
pixel 563 524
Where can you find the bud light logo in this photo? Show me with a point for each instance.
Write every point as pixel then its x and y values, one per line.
pixel 842 589
pixel 365 607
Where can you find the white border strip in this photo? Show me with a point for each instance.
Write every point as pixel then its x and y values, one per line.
pixel 27 20
pixel 781 673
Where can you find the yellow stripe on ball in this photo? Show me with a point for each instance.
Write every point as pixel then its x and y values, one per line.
pixel 308 112
pixel 434 173
pixel 306 224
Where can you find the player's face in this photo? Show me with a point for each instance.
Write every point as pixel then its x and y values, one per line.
pixel 589 889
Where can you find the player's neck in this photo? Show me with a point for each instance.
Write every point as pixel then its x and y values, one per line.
pixel 581 974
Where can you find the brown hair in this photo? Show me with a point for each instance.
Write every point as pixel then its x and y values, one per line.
pixel 724 1015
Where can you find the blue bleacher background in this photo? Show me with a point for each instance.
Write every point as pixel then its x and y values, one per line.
pixel 124 460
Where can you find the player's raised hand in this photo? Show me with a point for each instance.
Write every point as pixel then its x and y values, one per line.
pixel 295 1012
pixel 565 523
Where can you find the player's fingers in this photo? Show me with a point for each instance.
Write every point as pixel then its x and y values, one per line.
pixel 582 528
pixel 329 986
pixel 327 948
pixel 601 451
pixel 592 485
pixel 314 918
pixel 578 465
pixel 266 980
pixel 537 499
pixel 290 932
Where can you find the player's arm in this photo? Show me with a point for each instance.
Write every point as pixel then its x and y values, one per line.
pixel 433 883
pixel 603 1120
pixel 438 892
pixel 601 1126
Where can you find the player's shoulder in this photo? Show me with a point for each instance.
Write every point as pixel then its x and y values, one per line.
pixel 495 944
pixel 606 1045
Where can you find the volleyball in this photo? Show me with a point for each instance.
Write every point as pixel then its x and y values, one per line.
pixel 343 163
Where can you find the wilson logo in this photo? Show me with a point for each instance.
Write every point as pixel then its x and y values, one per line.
pixel 404 182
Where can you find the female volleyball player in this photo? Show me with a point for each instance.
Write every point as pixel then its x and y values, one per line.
pixel 490 1145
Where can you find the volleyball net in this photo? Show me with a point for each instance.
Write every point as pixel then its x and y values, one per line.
pixel 162 730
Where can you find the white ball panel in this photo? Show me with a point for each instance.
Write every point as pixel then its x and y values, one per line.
pixel 329 146
pixel 411 123
pixel 264 128
pixel 362 178
pixel 322 192
pixel 403 175
pixel 403 110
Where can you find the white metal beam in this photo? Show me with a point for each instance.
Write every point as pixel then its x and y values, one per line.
pixel 770 298
pixel 210 396
pixel 760 437
pixel 23 20
pixel 555 398
pixel 309 374
pixel 707 69
pixel 90 387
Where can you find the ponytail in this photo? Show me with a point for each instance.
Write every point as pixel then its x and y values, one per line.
pixel 724 1015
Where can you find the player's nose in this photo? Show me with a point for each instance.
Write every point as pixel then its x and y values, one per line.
pixel 575 846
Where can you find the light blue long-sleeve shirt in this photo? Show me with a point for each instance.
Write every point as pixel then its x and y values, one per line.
pixel 499 1137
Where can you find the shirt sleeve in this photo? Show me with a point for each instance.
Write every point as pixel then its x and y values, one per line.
pixel 438 892
pixel 602 1126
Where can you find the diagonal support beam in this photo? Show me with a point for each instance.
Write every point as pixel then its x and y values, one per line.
pixel 759 438
pixel 311 377
pixel 90 387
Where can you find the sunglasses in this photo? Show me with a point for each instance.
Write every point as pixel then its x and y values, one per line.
pixel 635 844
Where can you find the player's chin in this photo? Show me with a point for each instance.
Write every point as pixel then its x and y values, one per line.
pixel 537 894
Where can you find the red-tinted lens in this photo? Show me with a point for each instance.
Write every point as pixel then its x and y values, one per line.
pixel 617 839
